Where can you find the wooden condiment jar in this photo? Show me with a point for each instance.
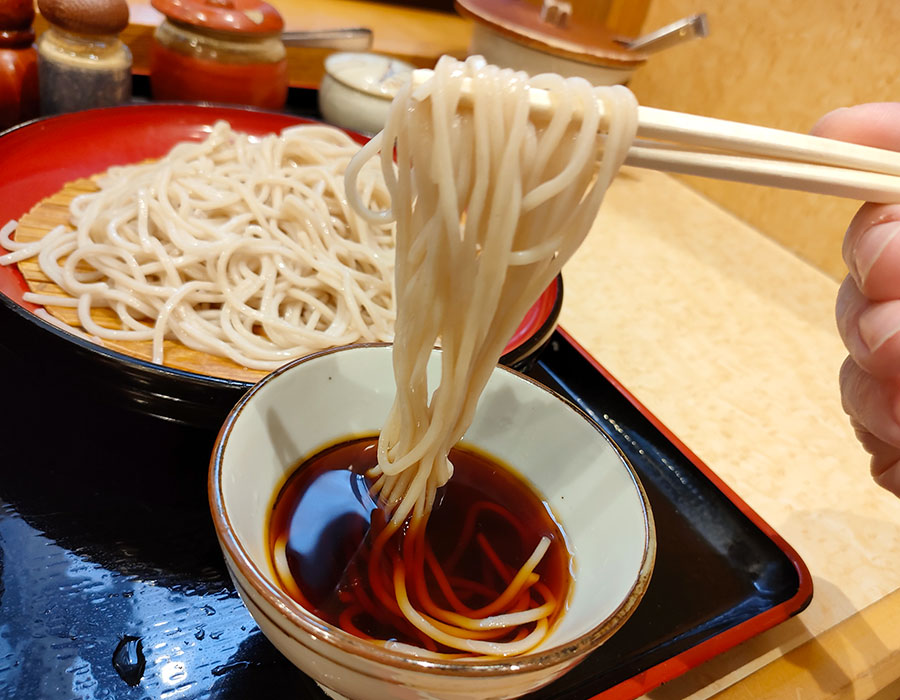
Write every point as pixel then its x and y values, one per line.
pixel 19 98
pixel 81 60
pixel 226 51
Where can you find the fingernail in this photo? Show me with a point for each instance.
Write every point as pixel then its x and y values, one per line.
pixel 879 323
pixel 823 121
pixel 870 247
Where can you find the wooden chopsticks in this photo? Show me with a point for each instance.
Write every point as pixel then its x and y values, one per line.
pixel 694 145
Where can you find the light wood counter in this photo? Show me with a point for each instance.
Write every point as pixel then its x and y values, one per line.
pixel 730 341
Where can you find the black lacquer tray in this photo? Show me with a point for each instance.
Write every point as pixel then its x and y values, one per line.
pixel 105 536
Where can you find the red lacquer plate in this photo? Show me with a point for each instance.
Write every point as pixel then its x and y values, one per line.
pixel 38 158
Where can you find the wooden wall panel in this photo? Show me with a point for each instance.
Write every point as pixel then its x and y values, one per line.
pixel 783 64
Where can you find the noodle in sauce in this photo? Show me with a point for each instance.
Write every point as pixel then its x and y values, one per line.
pixel 459 570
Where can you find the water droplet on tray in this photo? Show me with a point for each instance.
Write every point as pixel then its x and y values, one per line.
pixel 226 668
pixel 128 660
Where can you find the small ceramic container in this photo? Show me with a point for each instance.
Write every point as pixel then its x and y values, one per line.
pixel 357 89
pixel 222 51
pixel 314 402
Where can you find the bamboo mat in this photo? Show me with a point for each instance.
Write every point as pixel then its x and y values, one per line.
pixel 53 211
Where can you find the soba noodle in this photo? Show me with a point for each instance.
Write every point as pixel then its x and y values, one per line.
pixel 237 246
pixel 488 206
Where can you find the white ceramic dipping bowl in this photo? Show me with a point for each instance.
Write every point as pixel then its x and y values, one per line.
pixel 357 89
pixel 319 400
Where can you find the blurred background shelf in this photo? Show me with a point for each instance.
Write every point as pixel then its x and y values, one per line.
pixel 417 35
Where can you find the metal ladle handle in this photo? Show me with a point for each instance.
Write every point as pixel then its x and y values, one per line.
pixel 693 27
pixel 343 39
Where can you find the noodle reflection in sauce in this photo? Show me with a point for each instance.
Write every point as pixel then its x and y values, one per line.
pixel 488 207
pixel 458 571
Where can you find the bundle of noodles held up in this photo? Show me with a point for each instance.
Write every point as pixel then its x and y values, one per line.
pixel 488 206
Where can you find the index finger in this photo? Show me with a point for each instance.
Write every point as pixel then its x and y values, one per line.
pixel 872 244
pixel 875 124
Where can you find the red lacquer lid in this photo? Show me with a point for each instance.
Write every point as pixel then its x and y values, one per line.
pixel 232 16
pixel 579 38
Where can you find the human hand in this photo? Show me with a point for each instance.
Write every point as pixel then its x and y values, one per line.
pixel 868 303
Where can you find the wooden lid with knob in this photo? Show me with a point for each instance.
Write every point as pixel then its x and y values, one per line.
pixel 16 17
pixel 93 17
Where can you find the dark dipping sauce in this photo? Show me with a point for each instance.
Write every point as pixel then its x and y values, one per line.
pixel 329 519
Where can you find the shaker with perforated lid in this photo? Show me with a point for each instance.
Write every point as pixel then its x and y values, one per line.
pixel 82 63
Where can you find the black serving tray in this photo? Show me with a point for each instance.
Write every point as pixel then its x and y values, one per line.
pixel 105 536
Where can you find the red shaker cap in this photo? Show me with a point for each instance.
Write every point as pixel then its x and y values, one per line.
pixel 231 16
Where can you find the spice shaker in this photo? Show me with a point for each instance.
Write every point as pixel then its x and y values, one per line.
pixel 82 63
pixel 18 63
pixel 226 51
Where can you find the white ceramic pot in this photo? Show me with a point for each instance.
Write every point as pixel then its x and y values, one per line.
pixel 357 89
pixel 316 401
pixel 506 52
